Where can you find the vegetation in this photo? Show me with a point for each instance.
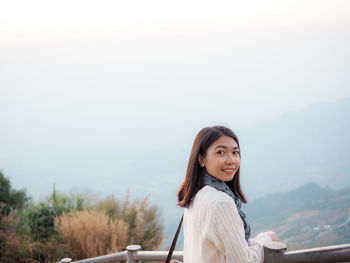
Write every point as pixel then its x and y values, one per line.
pixel 91 233
pixel 11 199
pixel 76 226
pixel 144 228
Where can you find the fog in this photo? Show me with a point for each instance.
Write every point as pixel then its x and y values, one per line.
pixel 99 95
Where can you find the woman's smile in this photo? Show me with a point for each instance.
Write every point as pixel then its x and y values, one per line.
pixel 228 171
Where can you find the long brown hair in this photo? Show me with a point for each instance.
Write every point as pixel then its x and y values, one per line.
pixel 192 183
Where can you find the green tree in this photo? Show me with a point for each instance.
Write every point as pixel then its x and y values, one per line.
pixel 11 199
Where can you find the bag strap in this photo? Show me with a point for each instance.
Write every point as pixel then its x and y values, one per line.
pixel 172 247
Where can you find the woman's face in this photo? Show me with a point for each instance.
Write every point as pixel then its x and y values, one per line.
pixel 222 160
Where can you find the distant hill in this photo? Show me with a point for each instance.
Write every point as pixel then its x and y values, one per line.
pixel 308 216
pixel 311 145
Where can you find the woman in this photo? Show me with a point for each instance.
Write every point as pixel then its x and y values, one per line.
pixel 215 228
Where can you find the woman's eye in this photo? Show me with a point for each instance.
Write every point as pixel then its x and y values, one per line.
pixel 220 152
pixel 235 152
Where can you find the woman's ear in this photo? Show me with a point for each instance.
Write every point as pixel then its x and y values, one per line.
pixel 201 160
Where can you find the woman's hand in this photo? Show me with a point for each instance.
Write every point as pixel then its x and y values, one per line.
pixel 273 235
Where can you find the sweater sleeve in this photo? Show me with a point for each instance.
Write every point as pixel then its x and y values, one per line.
pixel 226 230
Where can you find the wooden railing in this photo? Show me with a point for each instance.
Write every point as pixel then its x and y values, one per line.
pixel 133 254
pixel 274 252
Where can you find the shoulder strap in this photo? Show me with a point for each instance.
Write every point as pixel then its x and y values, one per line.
pixel 171 250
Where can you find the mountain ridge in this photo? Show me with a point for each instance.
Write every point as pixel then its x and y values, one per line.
pixel 302 219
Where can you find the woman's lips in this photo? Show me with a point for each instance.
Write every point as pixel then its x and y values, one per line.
pixel 228 171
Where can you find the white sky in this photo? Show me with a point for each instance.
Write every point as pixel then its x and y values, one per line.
pixel 88 74
pixel 67 16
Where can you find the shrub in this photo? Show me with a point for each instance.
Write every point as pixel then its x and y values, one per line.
pixel 144 225
pixel 74 201
pixel 91 233
pixel 16 245
pixel 41 221
pixel 145 228
pixel 13 247
pixel 111 206
pixel 40 218
pixel 49 250
pixel 10 198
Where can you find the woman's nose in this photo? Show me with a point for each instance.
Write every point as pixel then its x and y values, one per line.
pixel 231 159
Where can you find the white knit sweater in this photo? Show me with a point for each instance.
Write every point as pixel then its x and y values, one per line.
pixel 214 232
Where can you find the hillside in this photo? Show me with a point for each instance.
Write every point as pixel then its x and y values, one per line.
pixel 310 145
pixel 308 216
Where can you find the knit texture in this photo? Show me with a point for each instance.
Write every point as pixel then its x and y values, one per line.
pixel 214 232
pixel 222 186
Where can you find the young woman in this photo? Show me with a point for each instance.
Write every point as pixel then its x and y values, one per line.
pixel 215 228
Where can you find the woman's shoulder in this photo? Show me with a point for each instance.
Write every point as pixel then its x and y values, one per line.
pixel 209 201
pixel 212 196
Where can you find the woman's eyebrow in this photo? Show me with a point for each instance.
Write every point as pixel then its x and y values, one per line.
pixel 225 147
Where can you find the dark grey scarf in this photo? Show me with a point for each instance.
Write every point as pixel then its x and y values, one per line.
pixel 222 186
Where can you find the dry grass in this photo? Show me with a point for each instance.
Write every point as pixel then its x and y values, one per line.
pixel 144 226
pixel 91 233
pixel 111 206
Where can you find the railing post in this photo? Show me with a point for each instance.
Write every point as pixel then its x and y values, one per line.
pixel 273 252
pixel 65 260
pixel 131 251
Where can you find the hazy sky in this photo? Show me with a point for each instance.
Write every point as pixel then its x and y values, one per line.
pixel 83 78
